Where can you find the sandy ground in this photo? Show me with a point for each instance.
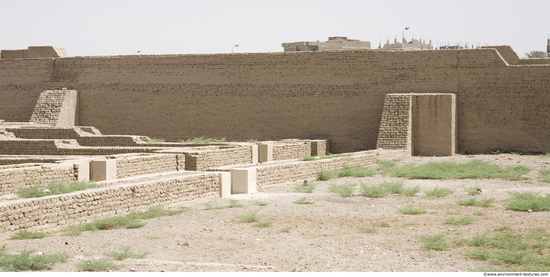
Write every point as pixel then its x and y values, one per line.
pixel 322 237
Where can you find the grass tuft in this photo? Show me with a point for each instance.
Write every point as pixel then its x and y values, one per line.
pixel 479 203
pixel 97 265
pixel 156 140
pixel 233 204
pixel 324 175
pixel 528 201
pixel 308 158
pixel 202 140
pixel 307 187
pixel 285 230
pixel 345 190
pixel 126 254
pixel 544 175
pixel 437 193
pixel 461 221
pixel 304 201
pixel 357 171
pixel 263 224
pixel 373 191
pixel 410 191
pixel 54 188
pixel 435 242
pixel 28 260
pixel 251 216
pixel 366 230
pixel 411 210
pixel 473 190
pixel 24 234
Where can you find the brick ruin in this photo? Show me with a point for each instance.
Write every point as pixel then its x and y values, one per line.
pixel 374 104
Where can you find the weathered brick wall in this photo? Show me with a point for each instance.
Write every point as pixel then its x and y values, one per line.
pixel 291 150
pixel 21 175
pixel 56 108
pixel 271 96
pixel 202 160
pixel 395 125
pixel 52 212
pixel 134 165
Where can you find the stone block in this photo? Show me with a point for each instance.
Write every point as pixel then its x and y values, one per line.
pixel 254 150
pixel 265 152
pixel 225 184
pixel 103 170
pixel 243 180
pixel 83 173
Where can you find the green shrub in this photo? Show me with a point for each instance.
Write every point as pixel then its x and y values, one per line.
pixel 126 254
pixel 24 234
pixel 437 193
pixel 528 201
pixel 410 191
pixel 155 211
pixel 393 187
pixel 28 260
pixel 263 224
pixel 473 190
pixel 386 165
pixel 308 158
pixel 374 191
pixel 411 210
pixel 96 265
pixel 345 190
pixel 233 204
pixel 54 188
pixel 307 187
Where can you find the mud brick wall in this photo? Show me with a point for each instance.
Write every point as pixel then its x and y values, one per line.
pixel 395 126
pixel 129 166
pixel 291 150
pixel 271 96
pixel 113 140
pixel 52 212
pixel 281 174
pixel 44 133
pixel 56 108
pixel 14 176
pixel 202 160
pixel 320 147
pixel 34 146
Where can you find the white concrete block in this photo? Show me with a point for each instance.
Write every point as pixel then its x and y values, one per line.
pixel 265 152
pixel 243 180
pixel 254 150
pixel 83 171
pixel 225 184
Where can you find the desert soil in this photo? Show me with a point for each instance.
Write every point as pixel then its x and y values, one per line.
pixel 323 236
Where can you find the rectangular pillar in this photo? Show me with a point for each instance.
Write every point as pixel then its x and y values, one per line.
pixel 254 153
pixel 83 171
pixel 434 124
pixel 265 152
pixel 225 184
pixel 103 170
pixel 243 180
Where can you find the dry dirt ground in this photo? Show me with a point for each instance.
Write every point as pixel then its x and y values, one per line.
pixel 322 237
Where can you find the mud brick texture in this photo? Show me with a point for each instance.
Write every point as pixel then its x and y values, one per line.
pixel 22 175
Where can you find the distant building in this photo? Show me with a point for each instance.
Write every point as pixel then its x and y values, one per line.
pixel 412 45
pixel 451 47
pixel 333 43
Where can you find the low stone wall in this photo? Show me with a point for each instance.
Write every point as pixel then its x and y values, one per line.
pixel 276 175
pixel 52 212
pixel 288 150
pixel 21 175
pixel 134 165
pixel 202 160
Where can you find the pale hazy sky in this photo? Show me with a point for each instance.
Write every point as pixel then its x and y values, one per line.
pixel 117 27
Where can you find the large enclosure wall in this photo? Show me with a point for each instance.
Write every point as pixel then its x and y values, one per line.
pixel 272 96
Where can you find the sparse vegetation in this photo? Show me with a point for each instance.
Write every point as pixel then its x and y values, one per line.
pixel 263 224
pixel 366 230
pixel 233 204
pixel 474 202
pixel 54 188
pixel 304 201
pixel 261 203
pixel 97 265
pixel 250 216
pixel 132 220
pixel 345 190
pixel 24 234
pixel 330 156
pixel 285 230
pixel 435 242
pixel 126 254
pixel 202 140
pixel 357 171
pixel 473 190
pixel 411 210
pixel 307 187
pixel 411 191
pixel 324 175
pixel 252 141
pixel 373 191
pixel 528 201
pixel 544 175
pixel 308 158
pixel 461 221
pixel 437 193
pixel 474 169
pixel 29 260
pixel 498 151
pixel 547 155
